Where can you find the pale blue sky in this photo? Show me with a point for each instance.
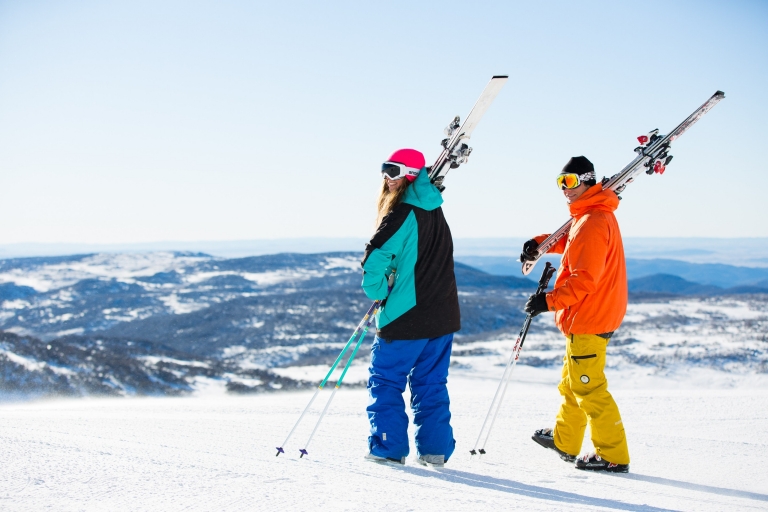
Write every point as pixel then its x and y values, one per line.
pixel 146 121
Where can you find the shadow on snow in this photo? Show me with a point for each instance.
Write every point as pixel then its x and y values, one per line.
pixel 531 491
pixel 697 487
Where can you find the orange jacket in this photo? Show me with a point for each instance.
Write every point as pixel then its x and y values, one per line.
pixel 590 292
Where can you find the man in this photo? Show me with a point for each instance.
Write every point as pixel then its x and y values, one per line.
pixel 589 300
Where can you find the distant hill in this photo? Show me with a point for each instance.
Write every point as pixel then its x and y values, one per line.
pixel 98 365
pixel 10 291
pixel 724 276
pixel 470 276
pixel 666 283
pixel 715 274
pixel 670 284
pixel 158 323
pixel 202 305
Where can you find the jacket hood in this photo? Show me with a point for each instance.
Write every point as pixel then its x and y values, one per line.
pixel 594 199
pixel 422 193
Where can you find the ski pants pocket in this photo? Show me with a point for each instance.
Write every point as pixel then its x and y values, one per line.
pixel 586 363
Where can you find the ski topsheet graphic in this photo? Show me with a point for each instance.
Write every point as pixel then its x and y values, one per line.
pixel 455 148
pixel 652 157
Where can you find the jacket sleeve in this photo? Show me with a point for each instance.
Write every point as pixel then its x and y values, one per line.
pixel 586 260
pixel 382 250
pixel 558 248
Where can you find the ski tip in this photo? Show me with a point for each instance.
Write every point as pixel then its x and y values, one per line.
pixel 720 94
pixel 498 77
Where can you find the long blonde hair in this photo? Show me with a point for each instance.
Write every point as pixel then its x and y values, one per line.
pixel 388 200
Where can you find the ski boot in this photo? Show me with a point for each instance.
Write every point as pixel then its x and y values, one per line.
pixel 594 462
pixel 545 438
pixel 433 461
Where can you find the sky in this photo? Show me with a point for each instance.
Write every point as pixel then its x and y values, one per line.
pixel 147 121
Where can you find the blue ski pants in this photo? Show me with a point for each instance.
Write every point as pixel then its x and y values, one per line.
pixel 425 364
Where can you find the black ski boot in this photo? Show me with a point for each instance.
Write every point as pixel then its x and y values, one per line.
pixel 544 438
pixel 596 463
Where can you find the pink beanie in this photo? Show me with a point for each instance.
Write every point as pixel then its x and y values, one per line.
pixel 410 158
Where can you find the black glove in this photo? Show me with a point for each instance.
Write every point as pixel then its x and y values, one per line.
pixel 529 248
pixel 537 303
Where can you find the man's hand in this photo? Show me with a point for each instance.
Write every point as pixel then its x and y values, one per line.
pixel 537 303
pixel 529 251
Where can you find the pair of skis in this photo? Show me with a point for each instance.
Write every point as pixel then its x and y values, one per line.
pixel 652 157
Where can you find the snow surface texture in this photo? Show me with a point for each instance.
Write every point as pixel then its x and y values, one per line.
pixel 692 449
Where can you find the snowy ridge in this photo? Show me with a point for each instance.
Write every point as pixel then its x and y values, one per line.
pixel 76 366
pixel 179 323
pixel 657 338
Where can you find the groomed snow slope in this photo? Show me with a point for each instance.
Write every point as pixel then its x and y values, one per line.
pixel 692 448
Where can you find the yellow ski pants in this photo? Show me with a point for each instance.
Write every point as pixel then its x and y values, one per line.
pixel 586 399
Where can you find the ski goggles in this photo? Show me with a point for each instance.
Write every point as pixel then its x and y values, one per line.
pixel 573 180
pixel 395 171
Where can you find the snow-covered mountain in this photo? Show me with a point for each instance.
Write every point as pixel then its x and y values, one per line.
pixel 172 323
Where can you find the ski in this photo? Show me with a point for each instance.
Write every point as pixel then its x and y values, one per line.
pixel 652 157
pixel 455 148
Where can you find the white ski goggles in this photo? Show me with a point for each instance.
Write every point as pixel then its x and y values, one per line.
pixel 396 171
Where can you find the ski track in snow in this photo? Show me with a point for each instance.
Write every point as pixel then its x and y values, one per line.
pixel 692 448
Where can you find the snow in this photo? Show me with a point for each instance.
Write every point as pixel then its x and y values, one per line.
pixel 177 307
pixel 692 449
pixel 123 267
pixel 260 278
pixel 154 360
pixel 29 364
pixel 350 262
pixel 127 268
pixel 357 373
pixel 701 309
pixel 690 377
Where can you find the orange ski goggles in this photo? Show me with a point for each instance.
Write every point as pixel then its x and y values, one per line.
pixel 573 180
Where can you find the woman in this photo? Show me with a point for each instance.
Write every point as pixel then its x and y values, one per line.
pixel 417 321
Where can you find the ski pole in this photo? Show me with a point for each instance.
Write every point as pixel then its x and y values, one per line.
pixel 371 312
pixel 506 376
pixel 303 451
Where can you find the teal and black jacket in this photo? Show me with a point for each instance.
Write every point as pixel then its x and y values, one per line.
pixel 414 240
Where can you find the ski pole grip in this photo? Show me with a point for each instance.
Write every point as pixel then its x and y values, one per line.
pixel 390 285
pixel 391 280
pixel 546 275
